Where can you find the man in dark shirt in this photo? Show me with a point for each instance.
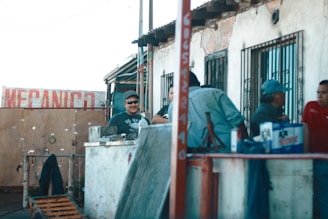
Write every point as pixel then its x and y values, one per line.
pixel 270 110
pixel 162 115
pixel 128 122
pixel 272 100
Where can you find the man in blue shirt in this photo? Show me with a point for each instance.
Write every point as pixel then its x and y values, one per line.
pixel 223 113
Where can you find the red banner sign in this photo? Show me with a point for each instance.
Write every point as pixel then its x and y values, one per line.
pixel 45 98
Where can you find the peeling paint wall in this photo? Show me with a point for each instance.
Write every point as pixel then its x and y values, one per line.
pixel 251 27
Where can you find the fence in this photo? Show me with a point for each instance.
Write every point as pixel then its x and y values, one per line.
pixel 72 171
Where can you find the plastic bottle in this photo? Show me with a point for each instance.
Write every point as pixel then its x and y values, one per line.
pixel 235 138
pixel 143 122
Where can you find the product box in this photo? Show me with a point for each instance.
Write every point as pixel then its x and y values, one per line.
pixel 282 138
pixel 94 133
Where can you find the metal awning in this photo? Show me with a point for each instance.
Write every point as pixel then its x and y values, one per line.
pixel 200 16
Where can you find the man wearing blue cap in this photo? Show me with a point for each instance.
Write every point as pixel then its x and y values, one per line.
pixel 272 100
pixel 271 110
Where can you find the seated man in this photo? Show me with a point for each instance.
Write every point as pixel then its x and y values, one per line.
pixel 127 122
pixel 162 115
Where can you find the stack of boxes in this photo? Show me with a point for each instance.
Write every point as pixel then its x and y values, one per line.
pixel 282 138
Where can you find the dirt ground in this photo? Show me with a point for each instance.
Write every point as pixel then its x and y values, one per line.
pixel 10 200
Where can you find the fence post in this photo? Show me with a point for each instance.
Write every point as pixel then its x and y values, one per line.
pixel 70 176
pixel 25 181
pixel 207 188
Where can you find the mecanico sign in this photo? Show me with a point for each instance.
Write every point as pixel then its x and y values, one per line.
pixel 46 98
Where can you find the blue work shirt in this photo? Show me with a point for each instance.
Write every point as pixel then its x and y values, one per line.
pixel 223 113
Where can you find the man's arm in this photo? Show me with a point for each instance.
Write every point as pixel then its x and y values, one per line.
pixel 306 137
pixel 157 119
pixel 243 130
pixel 111 128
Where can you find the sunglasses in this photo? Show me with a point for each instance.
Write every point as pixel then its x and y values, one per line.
pixel 132 102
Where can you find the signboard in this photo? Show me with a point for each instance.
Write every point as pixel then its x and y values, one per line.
pixel 46 98
pixel 282 138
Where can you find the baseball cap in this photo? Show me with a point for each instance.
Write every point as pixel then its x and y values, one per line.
pixel 130 93
pixel 272 86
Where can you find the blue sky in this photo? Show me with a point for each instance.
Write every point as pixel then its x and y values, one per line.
pixel 71 44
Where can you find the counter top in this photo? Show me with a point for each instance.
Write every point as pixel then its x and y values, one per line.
pixel 110 143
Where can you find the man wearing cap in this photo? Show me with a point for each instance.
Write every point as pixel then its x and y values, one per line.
pixel 271 110
pixel 128 122
pixel 272 100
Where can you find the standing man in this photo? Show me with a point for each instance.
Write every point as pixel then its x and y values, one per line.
pixel 315 121
pixel 127 122
pixel 271 110
pixel 223 113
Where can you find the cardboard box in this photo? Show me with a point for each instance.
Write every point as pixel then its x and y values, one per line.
pixel 282 138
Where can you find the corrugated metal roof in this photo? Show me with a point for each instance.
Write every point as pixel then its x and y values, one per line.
pixel 126 71
pixel 209 10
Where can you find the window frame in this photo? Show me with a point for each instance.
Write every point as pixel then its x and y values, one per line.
pixel 216 70
pixel 254 71
pixel 166 82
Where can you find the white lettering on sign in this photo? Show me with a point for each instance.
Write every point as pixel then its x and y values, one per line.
pixel 183 118
pixel 288 140
pixel 182 137
pixel 184 87
pixel 182 155
pixel 184 102
pixel 44 98
pixel 184 83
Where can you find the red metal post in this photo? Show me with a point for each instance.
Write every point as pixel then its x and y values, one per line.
pixel 207 188
pixel 215 203
pixel 180 112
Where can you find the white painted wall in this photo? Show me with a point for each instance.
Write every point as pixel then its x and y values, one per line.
pixel 108 163
pixel 163 64
pixel 105 171
pixel 254 27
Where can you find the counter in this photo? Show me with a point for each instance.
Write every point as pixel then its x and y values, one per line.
pixel 106 165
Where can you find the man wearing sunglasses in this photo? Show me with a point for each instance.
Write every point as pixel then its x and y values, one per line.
pixel 128 122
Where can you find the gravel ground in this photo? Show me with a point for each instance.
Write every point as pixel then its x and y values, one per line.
pixel 10 200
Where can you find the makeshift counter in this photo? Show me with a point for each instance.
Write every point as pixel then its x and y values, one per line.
pixel 106 166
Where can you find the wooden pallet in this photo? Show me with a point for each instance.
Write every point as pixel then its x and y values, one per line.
pixel 57 206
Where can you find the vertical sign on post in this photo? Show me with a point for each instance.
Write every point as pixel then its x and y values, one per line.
pixel 180 112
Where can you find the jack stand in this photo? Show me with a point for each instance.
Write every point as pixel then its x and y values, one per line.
pixel 211 136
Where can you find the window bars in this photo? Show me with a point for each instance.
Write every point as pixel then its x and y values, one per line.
pixel 280 59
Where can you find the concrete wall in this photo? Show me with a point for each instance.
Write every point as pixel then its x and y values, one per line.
pixel 252 27
pixel 107 169
pixel 292 192
pixel 291 196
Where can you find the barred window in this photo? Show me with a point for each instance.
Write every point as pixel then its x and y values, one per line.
pixel 216 70
pixel 280 59
pixel 166 82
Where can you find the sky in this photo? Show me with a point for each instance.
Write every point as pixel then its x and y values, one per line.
pixel 71 44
